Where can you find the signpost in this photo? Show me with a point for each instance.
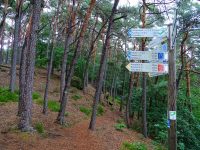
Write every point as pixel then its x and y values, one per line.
pixel 148 67
pixel 147 32
pixel 156 41
pixel 154 74
pixel 147 55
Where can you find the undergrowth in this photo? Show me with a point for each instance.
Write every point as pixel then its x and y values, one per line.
pixel 7 96
pixel 133 146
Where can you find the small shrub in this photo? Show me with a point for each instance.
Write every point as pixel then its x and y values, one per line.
pixel 54 106
pixel 39 127
pixel 36 95
pixel 7 96
pixel 120 126
pixel 85 110
pixel 100 110
pixel 76 97
pixel 133 146
pixel 77 82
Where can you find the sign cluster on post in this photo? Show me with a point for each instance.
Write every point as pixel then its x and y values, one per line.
pixel 156 56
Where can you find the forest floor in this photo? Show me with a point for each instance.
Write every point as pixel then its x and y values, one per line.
pixel 75 134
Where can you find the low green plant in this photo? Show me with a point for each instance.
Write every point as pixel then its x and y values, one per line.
pixel 85 110
pixel 77 82
pixel 39 127
pixel 133 146
pixel 120 126
pixel 120 120
pixel 7 96
pixel 52 104
pixel 36 95
pixel 100 110
pixel 76 97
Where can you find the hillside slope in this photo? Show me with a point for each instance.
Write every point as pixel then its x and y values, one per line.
pixel 75 135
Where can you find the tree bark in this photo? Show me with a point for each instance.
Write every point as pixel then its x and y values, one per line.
pixel 27 68
pixel 15 44
pixel 128 102
pixel 144 79
pixel 61 114
pixel 68 40
pixel 50 62
pixel 102 68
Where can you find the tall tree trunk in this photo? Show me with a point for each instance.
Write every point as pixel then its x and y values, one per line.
pixel 27 68
pixel 15 44
pixel 185 37
pixel 2 26
pixel 50 62
pixel 93 42
pixel 144 79
pixel 128 102
pixel 61 114
pixel 102 67
pixel 68 40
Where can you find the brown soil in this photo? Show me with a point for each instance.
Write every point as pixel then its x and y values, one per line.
pixel 74 136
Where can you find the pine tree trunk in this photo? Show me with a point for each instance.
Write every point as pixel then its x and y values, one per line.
pixel 50 62
pixel 61 114
pixel 27 68
pixel 128 102
pixel 93 42
pixel 144 80
pixel 102 68
pixel 68 40
pixel 15 44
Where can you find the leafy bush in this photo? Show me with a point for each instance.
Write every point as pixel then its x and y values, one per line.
pixel 77 82
pixel 100 110
pixel 133 146
pixel 39 127
pixel 85 110
pixel 76 97
pixel 7 96
pixel 120 126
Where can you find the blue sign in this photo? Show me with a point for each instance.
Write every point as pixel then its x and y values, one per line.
pixel 168 123
pixel 160 56
pixel 164 47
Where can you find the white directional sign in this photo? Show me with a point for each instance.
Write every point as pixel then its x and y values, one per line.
pixel 147 32
pixel 156 41
pixel 148 67
pixel 147 55
pixel 155 74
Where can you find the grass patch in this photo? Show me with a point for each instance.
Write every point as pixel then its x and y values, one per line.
pixel 36 95
pixel 133 146
pixel 76 97
pixel 52 104
pixel 39 127
pixel 120 126
pixel 100 110
pixel 7 96
pixel 85 110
